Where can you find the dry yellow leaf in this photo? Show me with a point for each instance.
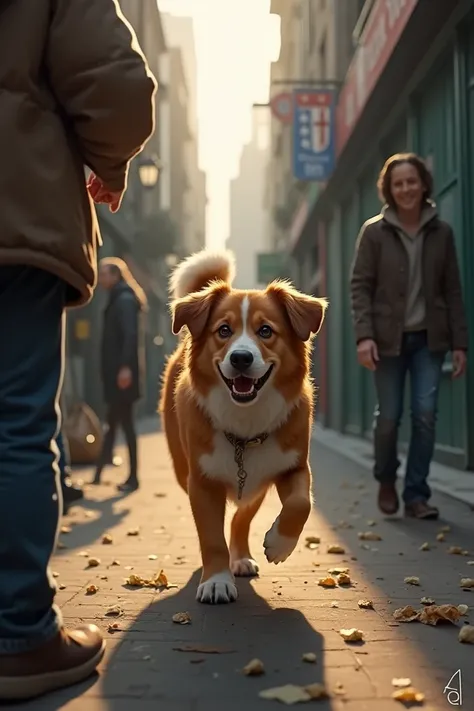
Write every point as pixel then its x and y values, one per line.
pixel 352 635
pixel 289 694
pixel 455 550
pixel 410 695
pixel 406 614
pixel 467 583
pixel 425 546
pixel 336 549
pixel 466 634
pixel 463 609
pixel 427 601
pixel 309 657
pixel 366 604
pixel 162 580
pixel 92 589
pixel 182 618
pixel 401 683
pixel 369 536
pixel 107 539
pixel 133 532
pixel 61 587
pixel 412 580
pixel 316 691
pixel 327 582
pixel 114 611
pixel 66 529
pixel 440 537
pixel 432 614
pixel 343 579
pixel 337 571
pixel 152 556
pixel 254 668
pixel 93 562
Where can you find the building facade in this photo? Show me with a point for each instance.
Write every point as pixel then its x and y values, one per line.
pixel 409 87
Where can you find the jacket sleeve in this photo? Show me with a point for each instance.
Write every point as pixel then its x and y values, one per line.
pixel 101 80
pixel 128 319
pixel 454 298
pixel 362 284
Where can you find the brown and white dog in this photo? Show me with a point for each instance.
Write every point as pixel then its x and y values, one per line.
pixel 237 405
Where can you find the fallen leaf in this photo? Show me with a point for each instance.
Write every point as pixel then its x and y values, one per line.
pixel 66 529
pixel 370 522
pixel 339 689
pixel 337 571
pixel 289 694
pixel 162 580
pixel 83 554
pixel 93 562
pixel 336 549
pixel 470 562
pixel 466 634
pixel 316 691
pixel 92 589
pixel 327 582
pixel 406 614
pixel 309 657
pixel 412 580
pixel 107 539
pixel 254 668
pixel 369 536
pixel 312 541
pixel 133 532
pixel 409 695
pixel 440 537
pixel 114 611
pixel 114 627
pixel 366 604
pixel 401 683
pixel 455 550
pixel 445 529
pixel 115 562
pixel 463 609
pixel 334 604
pixel 152 556
pixel 62 587
pixel 425 547
pixel 343 579
pixel 55 575
pixel 427 601
pixel 182 618
pixel 467 583
pixel 432 614
pixel 202 649
pixel 352 635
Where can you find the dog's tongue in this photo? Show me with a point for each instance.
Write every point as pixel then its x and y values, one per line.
pixel 243 384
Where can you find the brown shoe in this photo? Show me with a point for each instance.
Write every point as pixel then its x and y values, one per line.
pixel 388 499
pixel 422 510
pixel 68 658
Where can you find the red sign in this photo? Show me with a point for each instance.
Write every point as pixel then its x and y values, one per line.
pixel 384 27
pixel 282 106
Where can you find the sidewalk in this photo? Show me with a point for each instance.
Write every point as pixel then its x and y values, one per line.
pixel 279 617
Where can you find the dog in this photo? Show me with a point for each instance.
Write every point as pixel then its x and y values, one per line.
pixel 237 410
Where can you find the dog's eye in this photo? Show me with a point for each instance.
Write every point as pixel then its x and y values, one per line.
pixel 224 331
pixel 265 331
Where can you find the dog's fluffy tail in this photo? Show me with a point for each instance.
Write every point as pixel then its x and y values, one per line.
pixel 199 270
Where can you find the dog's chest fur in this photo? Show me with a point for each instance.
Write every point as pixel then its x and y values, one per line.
pixel 262 462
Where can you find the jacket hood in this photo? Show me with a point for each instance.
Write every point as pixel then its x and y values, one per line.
pixel 428 213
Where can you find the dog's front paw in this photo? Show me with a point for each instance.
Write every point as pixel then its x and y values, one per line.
pixel 244 567
pixel 277 547
pixel 218 590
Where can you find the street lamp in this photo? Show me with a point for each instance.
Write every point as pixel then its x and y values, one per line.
pixel 148 171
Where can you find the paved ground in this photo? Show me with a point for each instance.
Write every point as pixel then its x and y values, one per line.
pixel 278 617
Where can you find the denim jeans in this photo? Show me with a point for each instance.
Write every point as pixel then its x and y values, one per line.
pixel 425 369
pixel 31 364
pixel 64 460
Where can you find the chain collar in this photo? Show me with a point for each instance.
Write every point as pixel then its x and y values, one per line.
pixel 240 445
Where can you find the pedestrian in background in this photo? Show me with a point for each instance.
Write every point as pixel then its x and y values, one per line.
pixel 408 313
pixel 122 361
pixel 71 492
pixel 74 91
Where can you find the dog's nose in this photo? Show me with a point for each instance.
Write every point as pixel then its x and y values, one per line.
pixel 241 360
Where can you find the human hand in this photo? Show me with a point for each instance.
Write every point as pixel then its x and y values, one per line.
pixel 459 363
pixel 124 378
pixel 367 353
pixel 100 194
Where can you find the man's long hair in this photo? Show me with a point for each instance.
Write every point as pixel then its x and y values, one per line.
pixel 118 267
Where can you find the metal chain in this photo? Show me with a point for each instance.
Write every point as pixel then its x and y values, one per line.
pixel 239 450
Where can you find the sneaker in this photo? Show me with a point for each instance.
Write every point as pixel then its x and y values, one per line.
pixel 388 498
pixel 70 657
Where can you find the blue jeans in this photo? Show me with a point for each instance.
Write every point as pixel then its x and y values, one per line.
pixel 64 464
pixel 425 368
pixel 31 363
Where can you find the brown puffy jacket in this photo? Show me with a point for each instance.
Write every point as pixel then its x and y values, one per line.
pixel 75 91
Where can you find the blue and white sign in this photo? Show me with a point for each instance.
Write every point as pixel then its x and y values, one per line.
pixel 314 144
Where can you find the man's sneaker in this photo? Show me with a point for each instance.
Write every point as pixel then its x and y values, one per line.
pixel 388 499
pixel 70 657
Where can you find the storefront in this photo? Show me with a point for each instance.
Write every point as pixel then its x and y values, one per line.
pixel 413 91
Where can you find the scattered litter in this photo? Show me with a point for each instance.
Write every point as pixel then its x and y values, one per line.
pixel 445 529
pixel 202 649
pixel 93 562
pixel 455 550
pixel 291 694
pixel 327 582
pixel 152 556
pixel 316 691
pixel 370 522
pixel 337 571
pixel 114 627
pixel 107 539
pixel 182 618
pixel 412 580
pixel 114 611
pixel 440 537
pixel 427 601
pixel 425 546
pixel 66 529
pixel 254 668
pixel 61 587
pixel 343 579
pixel 55 575
pixel 466 634
pixel 463 609
pixel 410 695
pixel 336 549
pixel 309 657
pixel 366 604
pixel 369 536
pixel 405 614
pixel 159 581
pixel 352 635
pixel 312 542
pixel 115 562
pixel 470 562
pixel 133 532
pixel 92 589
pixel 429 615
pixel 160 494
pixel 467 583
pixel 401 683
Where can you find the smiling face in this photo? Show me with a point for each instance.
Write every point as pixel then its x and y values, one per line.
pixel 406 187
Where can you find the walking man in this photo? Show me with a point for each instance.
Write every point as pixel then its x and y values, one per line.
pixel 74 91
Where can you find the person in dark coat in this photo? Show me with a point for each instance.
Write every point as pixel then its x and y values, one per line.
pixel 122 360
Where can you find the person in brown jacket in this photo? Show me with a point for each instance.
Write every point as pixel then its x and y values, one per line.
pixel 75 91
pixel 408 313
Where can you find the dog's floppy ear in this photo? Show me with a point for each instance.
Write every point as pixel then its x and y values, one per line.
pixel 193 310
pixel 305 313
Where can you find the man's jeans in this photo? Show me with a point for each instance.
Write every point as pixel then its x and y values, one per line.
pixel 425 374
pixel 31 360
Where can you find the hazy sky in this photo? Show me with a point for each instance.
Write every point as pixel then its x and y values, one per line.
pixel 235 42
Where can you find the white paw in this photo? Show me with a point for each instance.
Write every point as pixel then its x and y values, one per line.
pixel 219 589
pixel 277 547
pixel 244 567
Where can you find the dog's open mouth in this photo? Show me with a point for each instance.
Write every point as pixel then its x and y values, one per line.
pixel 244 389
